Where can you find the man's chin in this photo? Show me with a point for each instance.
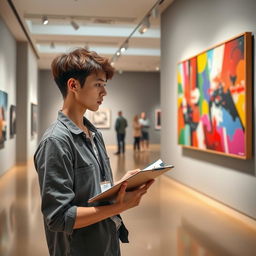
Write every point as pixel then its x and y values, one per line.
pixel 95 108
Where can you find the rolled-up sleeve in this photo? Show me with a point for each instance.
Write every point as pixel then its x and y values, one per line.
pixel 54 164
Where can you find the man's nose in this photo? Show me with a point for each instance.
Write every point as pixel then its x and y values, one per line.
pixel 104 91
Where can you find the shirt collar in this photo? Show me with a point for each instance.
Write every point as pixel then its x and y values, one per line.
pixel 72 126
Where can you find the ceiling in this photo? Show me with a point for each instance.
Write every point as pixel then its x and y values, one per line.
pixel 104 25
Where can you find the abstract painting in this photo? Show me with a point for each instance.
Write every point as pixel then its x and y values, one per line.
pixel 214 99
pixel 101 118
pixel 158 119
pixel 33 119
pixel 3 117
pixel 12 121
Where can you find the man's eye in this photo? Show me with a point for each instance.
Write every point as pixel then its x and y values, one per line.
pixel 100 85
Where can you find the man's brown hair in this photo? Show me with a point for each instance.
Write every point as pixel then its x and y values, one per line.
pixel 78 64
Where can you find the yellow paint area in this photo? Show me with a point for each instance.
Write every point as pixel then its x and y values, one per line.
pixel 205 107
pixel 179 77
pixel 240 106
pixel 201 62
pixel 179 101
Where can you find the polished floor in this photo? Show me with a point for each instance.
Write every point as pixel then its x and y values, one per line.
pixel 170 220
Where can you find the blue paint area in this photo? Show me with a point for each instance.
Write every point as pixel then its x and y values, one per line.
pixel 187 141
pixel 206 84
pixel 229 123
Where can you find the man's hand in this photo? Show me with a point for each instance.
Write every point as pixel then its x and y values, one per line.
pixel 126 200
pixel 127 175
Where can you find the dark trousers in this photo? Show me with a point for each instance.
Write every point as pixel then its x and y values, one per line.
pixel 136 143
pixel 120 142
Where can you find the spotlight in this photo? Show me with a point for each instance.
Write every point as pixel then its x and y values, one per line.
pixel 45 20
pixel 74 25
pixel 118 53
pixel 124 47
pixel 155 13
pixel 144 25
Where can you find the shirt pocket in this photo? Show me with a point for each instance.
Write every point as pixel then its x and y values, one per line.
pixel 84 180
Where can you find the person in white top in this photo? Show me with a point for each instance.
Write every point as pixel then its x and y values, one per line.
pixel 144 122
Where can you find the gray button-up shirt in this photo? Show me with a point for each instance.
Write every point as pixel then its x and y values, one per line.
pixel 69 174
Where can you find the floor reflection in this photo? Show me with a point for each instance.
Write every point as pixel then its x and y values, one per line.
pixel 21 232
pixel 191 228
pixel 169 221
pixel 4 233
pixel 192 241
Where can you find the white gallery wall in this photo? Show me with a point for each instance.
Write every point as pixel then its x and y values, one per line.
pixel 187 28
pixel 131 92
pixel 27 84
pixel 8 85
pixel 18 78
pixel 32 98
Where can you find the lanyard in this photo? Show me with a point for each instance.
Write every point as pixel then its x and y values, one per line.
pixel 99 159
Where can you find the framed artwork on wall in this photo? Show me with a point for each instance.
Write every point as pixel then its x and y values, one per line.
pixel 12 121
pixel 158 119
pixel 3 117
pixel 215 99
pixel 101 118
pixel 34 119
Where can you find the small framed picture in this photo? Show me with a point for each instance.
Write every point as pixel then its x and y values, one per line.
pixel 101 119
pixel 12 121
pixel 3 117
pixel 33 119
pixel 158 119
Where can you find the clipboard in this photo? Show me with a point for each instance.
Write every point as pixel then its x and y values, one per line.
pixel 134 181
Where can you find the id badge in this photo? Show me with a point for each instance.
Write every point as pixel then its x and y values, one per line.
pixel 105 185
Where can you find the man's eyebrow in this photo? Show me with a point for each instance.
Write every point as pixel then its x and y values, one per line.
pixel 102 80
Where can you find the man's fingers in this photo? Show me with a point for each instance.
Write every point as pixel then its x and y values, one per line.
pixel 143 193
pixel 122 191
pixel 135 171
pixel 149 183
pixel 146 186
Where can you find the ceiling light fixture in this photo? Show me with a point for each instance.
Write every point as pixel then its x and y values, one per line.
pixel 145 25
pixel 155 12
pixel 142 27
pixel 45 20
pixel 124 47
pixel 74 25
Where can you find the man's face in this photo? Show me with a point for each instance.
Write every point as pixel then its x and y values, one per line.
pixel 90 96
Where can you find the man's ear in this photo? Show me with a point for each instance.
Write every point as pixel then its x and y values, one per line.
pixel 72 84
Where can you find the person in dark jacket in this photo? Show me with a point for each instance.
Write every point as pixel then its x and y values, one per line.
pixel 120 126
pixel 73 165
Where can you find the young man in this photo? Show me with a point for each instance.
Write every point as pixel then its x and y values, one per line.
pixel 73 166
pixel 120 126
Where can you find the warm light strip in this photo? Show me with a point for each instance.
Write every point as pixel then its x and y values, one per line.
pixel 212 203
